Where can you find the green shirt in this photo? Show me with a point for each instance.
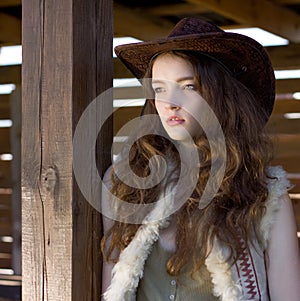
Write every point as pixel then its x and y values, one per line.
pixel 158 285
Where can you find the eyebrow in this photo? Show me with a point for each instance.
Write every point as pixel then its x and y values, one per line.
pixel 179 80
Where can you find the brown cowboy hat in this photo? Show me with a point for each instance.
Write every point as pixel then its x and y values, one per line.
pixel 242 56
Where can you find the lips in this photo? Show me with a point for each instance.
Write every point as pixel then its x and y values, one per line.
pixel 175 120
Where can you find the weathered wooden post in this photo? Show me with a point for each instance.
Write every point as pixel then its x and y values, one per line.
pixel 67 62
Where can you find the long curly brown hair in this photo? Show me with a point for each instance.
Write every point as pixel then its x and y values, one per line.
pixel 234 213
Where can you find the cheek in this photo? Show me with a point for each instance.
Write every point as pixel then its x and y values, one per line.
pixel 159 107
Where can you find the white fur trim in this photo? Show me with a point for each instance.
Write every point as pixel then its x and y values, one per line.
pixel 277 187
pixel 128 271
pixel 224 286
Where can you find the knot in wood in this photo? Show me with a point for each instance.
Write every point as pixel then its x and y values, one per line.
pixel 50 179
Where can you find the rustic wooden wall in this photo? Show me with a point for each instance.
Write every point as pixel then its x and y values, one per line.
pixel 66 63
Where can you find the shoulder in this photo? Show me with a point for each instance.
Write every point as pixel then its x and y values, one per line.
pixel 278 185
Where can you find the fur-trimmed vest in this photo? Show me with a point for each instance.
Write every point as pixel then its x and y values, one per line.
pixel 245 280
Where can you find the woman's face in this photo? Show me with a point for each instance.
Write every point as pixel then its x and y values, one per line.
pixel 176 96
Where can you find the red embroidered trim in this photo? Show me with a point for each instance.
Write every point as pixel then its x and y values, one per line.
pixel 248 275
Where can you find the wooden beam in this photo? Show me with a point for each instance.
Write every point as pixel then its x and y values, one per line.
pixel 134 23
pixel 123 115
pixel 4 214
pixel 128 92
pixel 262 13
pixel 5 261
pixel 5 174
pixel 6 229
pixel 289 165
pixel 288 1
pixel 67 48
pixel 278 124
pixel 180 9
pixel 4 140
pixel 5 247
pixel 287 86
pixel 285 57
pixel 5 201
pixel 286 146
pixel 286 106
pixel 10 74
pixel 10 30
pixel 9 3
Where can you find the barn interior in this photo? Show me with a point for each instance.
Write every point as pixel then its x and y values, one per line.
pixel 276 23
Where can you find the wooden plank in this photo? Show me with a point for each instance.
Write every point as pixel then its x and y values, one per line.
pixel 10 3
pixel 287 145
pixel 5 247
pixel 285 57
pixel 283 106
pixel 175 9
pixel 262 13
pixel 288 1
pixel 288 163
pixel 4 108
pixel 4 213
pixel 287 86
pixel 61 231
pixel 4 140
pixel 296 187
pixel 37 63
pixel 138 24
pixel 128 92
pixel 278 124
pixel 5 263
pixel 11 277
pixel 123 115
pixel 6 229
pixel 5 174
pixel 10 30
pixel 10 74
pixel 5 201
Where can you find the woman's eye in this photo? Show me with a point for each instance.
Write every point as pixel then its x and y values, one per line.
pixel 158 90
pixel 190 87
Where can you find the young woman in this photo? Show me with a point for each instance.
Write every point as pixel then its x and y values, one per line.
pixel 240 242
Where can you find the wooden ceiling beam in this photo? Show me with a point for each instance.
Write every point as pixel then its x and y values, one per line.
pixel 176 9
pixel 285 57
pixel 264 14
pixel 5 174
pixel 286 146
pixel 288 1
pixel 10 74
pixel 280 125
pixel 4 107
pixel 286 106
pixel 10 30
pixel 134 23
pixel 287 86
pixel 4 140
pixel 9 3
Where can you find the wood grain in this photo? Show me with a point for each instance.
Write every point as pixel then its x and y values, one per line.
pixel 67 51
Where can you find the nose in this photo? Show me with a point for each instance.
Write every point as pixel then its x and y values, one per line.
pixel 172 101
pixel 172 106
